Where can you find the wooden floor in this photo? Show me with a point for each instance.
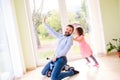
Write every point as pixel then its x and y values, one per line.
pixel 109 69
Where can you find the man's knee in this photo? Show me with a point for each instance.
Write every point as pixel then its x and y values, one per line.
pixel 43 72
pixel 45 69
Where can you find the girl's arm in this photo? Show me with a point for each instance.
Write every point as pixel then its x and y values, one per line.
pixel 79 39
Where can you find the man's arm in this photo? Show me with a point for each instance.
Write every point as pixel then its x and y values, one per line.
pixel 50 30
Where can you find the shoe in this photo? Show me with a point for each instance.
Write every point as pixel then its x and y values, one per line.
pixel 87 63
pixel 75 71
pixel 96 65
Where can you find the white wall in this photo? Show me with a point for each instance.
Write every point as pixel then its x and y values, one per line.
pixel 119 7
pixel 25 34
pixel 110 10
pixel 63 14
pixel 96 28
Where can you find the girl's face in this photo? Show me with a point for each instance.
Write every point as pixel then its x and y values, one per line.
pixel 76 32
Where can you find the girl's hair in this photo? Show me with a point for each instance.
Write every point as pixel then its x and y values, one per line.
pixel 80 31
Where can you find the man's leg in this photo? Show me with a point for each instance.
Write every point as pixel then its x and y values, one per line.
pixel 56 73
pixel 65 74
pixel 46 68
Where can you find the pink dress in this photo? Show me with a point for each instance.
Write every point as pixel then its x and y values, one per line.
pixel 85 49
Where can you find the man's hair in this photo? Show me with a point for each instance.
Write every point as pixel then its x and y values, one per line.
pixel 71 26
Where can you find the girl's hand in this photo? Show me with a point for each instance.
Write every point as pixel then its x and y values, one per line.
pixel 73 38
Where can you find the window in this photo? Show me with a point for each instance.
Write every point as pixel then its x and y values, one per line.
pixel 46 41
pixel 77 13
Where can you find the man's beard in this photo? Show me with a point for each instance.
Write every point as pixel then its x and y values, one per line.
pixel 67 34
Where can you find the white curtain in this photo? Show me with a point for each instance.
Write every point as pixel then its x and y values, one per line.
pixel 10 59
pixel 6 70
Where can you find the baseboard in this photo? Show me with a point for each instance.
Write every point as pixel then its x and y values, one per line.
pixel 30 69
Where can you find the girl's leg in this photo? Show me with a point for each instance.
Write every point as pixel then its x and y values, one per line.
pixel 88 61
pixel 96 63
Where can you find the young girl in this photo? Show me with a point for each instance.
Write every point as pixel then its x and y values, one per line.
pixel 85 49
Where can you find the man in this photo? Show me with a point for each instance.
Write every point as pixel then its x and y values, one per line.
pixel 59 59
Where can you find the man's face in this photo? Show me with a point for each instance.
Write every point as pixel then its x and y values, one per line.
pixel 68 31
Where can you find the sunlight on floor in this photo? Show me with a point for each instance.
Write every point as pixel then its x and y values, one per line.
pixel 109 69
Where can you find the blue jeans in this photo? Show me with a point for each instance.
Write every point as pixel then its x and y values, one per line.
pixel 56 73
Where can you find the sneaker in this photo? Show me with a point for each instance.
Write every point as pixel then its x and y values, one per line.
pixel 87 63
pixel 75 71
pixel 96 65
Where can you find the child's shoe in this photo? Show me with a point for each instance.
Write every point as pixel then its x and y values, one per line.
pixel 96 65
pixel 88 63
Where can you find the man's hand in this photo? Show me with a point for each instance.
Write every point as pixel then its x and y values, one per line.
pixel 44 19
pixel 53 59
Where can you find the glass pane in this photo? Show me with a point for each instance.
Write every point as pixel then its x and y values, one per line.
pixel 46 41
